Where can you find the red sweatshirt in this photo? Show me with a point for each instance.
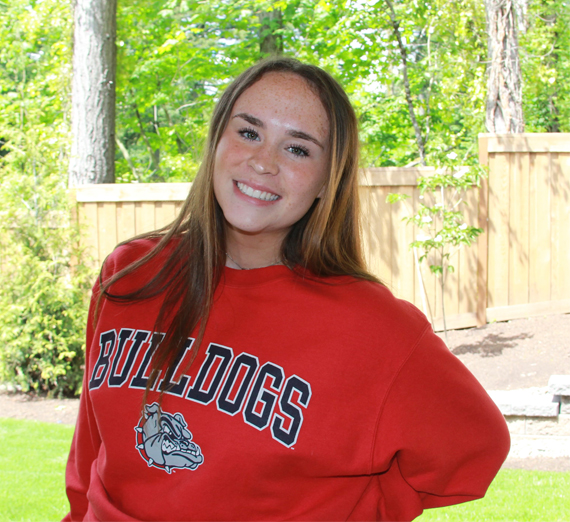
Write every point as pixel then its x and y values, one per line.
pixel 309 400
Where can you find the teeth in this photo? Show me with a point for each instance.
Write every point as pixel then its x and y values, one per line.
pixel 257 194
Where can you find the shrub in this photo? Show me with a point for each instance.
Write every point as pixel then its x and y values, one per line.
pixel 43 284
pixel 45 288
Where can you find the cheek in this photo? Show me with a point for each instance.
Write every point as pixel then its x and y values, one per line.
pixel 229 151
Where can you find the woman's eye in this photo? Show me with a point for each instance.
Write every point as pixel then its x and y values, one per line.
pixel 249 134
pixel 298 150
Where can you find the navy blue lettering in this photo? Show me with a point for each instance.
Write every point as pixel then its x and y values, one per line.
pixel 205 396
pixel 265 397
pixel 177 388
pixel 125 335
pixel 243 360
pixel 288 437
pixel 140 380
pixel 107 342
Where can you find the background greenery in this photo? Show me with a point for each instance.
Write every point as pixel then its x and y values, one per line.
pixel 174 58
pixel 32 467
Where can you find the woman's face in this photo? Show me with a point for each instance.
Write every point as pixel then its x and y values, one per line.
pixel 272 159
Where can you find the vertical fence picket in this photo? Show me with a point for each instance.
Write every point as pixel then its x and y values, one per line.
pixel 519 266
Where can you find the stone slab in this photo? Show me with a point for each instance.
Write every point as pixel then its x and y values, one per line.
pixel 559 385
pixel 528 446
pixel 556 426
pixel 529 402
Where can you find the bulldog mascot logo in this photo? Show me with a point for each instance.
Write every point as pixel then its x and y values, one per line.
pixel 164 441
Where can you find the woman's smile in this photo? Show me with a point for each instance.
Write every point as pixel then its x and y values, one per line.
pixel 256 193
pixel 272 159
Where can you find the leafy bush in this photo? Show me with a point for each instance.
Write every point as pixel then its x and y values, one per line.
pixel 44 288
pixel 44 285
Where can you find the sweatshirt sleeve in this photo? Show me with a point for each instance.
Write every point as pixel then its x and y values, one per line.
pixel 440 439
pixel 86 440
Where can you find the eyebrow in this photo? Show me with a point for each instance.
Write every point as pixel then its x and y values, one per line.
pixel 293 133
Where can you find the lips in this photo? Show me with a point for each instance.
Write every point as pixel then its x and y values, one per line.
pixel 256 194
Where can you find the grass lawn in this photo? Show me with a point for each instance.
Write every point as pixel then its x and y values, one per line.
pixel 32 465
pixel 33 456
pixel 514 496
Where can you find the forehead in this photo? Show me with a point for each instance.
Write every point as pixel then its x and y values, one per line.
pixel 284 99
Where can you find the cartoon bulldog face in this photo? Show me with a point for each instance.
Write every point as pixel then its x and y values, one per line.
pixel 164 441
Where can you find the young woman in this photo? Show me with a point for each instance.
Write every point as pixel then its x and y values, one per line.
pixel 242 364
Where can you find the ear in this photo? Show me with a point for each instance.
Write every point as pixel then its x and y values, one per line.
pixel 322 191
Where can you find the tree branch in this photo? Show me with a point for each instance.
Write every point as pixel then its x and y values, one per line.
pixel 404 57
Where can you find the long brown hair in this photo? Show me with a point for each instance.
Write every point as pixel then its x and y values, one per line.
pixel 325 241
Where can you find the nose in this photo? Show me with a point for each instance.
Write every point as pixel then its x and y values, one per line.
pixel 264 160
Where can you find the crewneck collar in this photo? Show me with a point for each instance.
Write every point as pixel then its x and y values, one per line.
pixel 255 276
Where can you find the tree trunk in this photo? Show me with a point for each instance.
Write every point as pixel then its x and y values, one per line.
pixel 504 84
pixel 271 43
pixel 93 93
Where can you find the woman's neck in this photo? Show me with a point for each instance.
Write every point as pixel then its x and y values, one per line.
pixel 248 251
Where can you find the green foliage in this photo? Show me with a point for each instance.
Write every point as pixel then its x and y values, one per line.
pixel 43 299
pixel 442 224
pixel 545 49
pixel 44 285
pixel 175 57
pixel 32 467
pixel 440 221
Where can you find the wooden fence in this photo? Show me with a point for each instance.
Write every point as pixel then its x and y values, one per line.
pixel 519 266
pixel 525 210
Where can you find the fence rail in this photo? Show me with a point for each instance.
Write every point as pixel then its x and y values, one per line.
pixel 518 267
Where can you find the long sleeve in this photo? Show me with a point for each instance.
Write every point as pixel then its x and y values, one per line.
pixel 86 441
pixel 448 437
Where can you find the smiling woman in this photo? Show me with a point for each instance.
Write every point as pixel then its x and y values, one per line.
pixel 242 364
pixel 271 165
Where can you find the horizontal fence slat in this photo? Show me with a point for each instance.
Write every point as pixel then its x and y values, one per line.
pixel 125 192
pixel 522 256
pixel 506 313
pixel 535 142
pixel 397 176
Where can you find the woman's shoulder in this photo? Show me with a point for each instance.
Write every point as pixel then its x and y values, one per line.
pixel 370 305
pixel 376 296
pixel 129 252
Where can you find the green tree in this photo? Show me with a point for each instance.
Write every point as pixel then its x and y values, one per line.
pixel 175 57
pixel 44 285
pixel 545 55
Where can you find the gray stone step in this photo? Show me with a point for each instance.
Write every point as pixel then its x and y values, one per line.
pixel 528 402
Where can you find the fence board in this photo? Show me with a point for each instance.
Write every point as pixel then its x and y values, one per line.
pixel 498 239
pixel 125 220
pixel 402 262
pixel 144 217
pixel 107 224
pixel 518 268
pixel 560 280
pixel 519 229
pixel 87 215
pixel 540 230
pixel 467 288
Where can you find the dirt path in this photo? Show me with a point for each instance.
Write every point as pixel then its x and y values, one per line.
pixel 22 406
pixel 517 354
